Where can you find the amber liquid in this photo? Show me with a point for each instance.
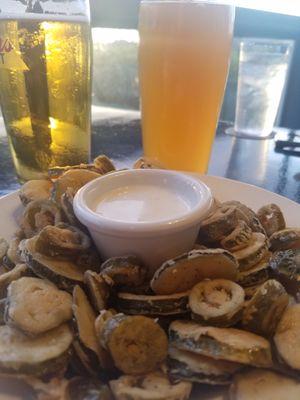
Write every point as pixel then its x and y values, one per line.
pixel 46 107
pixel 183 59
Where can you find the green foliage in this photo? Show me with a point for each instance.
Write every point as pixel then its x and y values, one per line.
pixel 115 79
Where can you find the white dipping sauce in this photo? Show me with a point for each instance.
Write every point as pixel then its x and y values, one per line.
pixel 142 203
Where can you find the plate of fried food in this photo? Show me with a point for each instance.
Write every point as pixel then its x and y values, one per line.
pixel 221 321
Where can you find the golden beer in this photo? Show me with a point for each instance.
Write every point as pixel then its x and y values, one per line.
pixel 184 54
pixel 45 93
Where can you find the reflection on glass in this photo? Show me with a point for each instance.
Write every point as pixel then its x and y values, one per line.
pixel 250 155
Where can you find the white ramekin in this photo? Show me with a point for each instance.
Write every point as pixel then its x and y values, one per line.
pixel 153 242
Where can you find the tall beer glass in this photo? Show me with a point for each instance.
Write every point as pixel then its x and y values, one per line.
pixel 45 82
pixel 185 48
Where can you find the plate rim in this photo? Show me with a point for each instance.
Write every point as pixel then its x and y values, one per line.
pixel 235 181
pixel 250 185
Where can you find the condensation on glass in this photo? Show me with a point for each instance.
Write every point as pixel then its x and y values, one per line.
pixel 45 82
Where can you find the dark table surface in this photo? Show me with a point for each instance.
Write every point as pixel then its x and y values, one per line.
pixel 246 160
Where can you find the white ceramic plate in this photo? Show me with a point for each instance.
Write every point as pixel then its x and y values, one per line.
pixel 223 189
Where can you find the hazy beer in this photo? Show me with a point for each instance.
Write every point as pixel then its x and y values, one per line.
pixel 184 55
pixel 45 91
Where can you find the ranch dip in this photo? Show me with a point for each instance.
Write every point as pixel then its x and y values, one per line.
pixel 142 203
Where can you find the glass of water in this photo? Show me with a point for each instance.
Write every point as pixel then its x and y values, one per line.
pixel 263 71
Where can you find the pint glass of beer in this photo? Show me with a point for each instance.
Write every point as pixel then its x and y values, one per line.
pixel 45 87
pixel 185 48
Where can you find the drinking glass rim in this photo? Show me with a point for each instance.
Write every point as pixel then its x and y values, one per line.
pixel 255 39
